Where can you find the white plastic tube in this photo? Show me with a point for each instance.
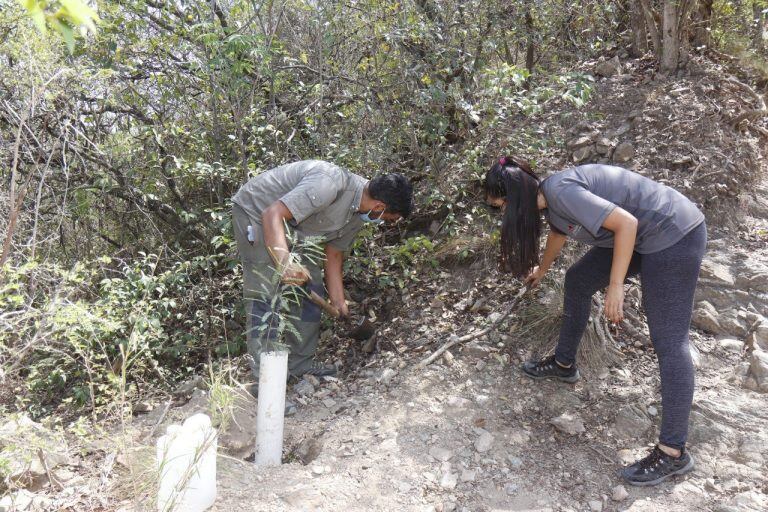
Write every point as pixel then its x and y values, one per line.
pixel 186 460
pixel 273 372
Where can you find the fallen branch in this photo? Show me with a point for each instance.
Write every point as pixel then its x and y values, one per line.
pixel 754 114
pixel 455 341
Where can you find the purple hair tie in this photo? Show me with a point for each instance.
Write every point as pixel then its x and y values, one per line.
pixel 503 161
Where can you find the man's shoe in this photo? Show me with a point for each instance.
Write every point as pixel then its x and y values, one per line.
pixel 548 368
pixel 321 370
pixel 656 467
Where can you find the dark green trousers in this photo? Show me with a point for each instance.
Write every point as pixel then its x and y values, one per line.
pixel 261 295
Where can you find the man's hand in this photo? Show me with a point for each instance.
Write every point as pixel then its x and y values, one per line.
pixel 533 279
pixel 614 303
pixel 341 305
pixel 294 274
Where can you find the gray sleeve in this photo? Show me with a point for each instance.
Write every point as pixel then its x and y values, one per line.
pixel 579 204
pixel 316 190
pixel 344 243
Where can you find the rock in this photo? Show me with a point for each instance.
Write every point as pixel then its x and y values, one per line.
pixel 515 462
pixel 305 499
pixel 449 480
pixel 582 154
pixel 631 422
pixel 758 369
pixel 759 337
pixel 717 273
pixel 603 146
pixel 695 355
pixel 318 470
pixel 652 411
pixel 142 407
pixel 386 376
pixel 608 68
pixel 457 402
pixel 568 423
pixel 494 317
pixel 579 142
pixel 19 501
pixel 749 501
pixel 304 388
pixel 312 380
pixel 476 350
pixel 329 403
pixel 619 493
pixel 705 317
pixel 308 450
pixel 22 443
pixel 484 442
pixel 448 358
pixel 731 345
pixel 623 129
pixel 467 475
pixel 439 453
pixel 189 385
pixel 596 506
pixel 511 488
pixel 624 152
pixel 732 324
pixel 603 373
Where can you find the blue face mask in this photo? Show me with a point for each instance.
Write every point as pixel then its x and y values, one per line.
pixel 367 218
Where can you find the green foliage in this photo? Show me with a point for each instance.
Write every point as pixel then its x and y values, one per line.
pixel 62 16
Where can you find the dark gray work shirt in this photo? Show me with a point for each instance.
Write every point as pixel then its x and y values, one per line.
pixel 581 198
pixel 322 197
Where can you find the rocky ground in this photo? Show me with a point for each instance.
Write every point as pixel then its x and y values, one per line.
pixel 469 432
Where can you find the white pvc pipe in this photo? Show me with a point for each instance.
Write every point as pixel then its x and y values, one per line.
pixel 273 373
pixel 186 460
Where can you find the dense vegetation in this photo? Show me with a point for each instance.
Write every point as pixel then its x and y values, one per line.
pixel 123 141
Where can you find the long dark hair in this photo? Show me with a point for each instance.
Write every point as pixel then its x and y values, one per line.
pixel 511 178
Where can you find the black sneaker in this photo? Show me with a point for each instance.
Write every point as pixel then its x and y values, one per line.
pixel 321 370
pixel 656 467
pixel 547 368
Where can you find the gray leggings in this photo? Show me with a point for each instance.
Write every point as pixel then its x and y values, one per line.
pixel 668 280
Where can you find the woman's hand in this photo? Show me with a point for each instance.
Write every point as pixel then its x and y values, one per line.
pixel 614 303
pixel 533 279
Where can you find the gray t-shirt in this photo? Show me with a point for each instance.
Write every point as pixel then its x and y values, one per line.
pixel 581 198
pixel 322 197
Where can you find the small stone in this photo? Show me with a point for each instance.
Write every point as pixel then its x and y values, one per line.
pixel 515 462
pixel 312 380
pixel 386 376
pixel 441 454
pixel 582 154
pixel 579 142
pixel 142 407
pixel 304 388
pixel 568 423
pixel 494 317
pixel 624 152
pixel 603 373
pixel 318 470
pixel 511 488
pixel 329 403
pixel 758 369
pixel 596 506
pixel 467 475
pixel 603 146
pixel 619 493
pixel 448 358
pixel 457 402
pixel 608 68
pixel 449 480
pixel 705 317
pixel 476 350
pixel 484 442
pixel 652 411
pixel 731 345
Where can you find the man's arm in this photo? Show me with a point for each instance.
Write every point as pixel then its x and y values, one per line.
pixel 273 220
pixel 334 261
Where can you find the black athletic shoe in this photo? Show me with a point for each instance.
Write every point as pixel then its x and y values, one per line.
pixel 656 467
pixel 547 368
pixel 321 370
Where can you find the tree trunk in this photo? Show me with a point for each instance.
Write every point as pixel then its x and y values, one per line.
pixel 650 24
pixel 703 22
pixel 530 47
pixel 758 18
pixel 671 41
pixel 639 33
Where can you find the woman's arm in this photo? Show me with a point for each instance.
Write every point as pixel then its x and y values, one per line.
pixel 624 227
pixel 555 243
